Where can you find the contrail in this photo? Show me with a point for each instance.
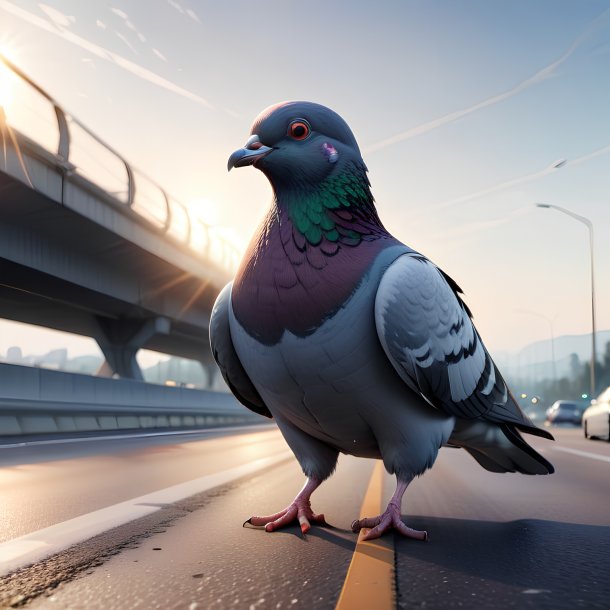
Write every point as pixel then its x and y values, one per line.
pixel 591 155
pixel 502 186
pixel 456 235
pixel 103 53
pixel 536 78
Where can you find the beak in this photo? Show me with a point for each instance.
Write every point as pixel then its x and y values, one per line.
pixel 249 154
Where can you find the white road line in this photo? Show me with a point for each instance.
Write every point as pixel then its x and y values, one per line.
pixel 586 454
pixel 114 437
pixel 33 547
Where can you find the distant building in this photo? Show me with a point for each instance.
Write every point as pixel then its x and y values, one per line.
pixel 14 355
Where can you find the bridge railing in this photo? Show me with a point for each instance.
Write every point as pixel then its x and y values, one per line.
pixel 27 110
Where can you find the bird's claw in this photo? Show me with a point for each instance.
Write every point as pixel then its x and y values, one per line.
pixel 390 519
pixel 300 511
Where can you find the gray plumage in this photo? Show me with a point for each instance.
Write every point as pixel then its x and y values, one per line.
pixel 352 341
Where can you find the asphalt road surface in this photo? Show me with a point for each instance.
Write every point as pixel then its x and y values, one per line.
pixel 156 522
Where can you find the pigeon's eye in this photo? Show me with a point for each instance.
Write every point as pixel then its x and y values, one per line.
pixel 299 130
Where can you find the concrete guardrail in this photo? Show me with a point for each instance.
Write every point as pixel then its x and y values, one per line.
pixel 42 401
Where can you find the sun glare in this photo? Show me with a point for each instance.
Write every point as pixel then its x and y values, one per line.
pixel 7 51
pixel 231 235
pixel 204 215
pixel 204 209
pixel 6 90
pixel 208 236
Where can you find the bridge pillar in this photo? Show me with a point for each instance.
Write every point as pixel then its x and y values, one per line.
pixel 214 380
pixel 210 373
pixel 120 341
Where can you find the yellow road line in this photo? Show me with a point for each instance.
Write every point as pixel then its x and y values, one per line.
pixel 370 578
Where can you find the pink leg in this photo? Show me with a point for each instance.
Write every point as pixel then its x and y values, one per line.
pixel 390 519
pixel 299 509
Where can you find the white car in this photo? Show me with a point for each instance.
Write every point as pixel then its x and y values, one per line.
pixel 596 419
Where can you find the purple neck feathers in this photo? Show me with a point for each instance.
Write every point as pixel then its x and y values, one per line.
pixel 294 278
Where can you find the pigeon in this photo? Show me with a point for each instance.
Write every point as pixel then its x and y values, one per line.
pixel 350 340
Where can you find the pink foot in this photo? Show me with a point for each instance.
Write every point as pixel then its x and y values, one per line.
pixel 300 510
pixel 384 523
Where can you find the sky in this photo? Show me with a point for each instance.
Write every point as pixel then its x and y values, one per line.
pixel 462 108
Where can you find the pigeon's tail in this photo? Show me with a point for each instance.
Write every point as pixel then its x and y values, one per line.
pixel 498 447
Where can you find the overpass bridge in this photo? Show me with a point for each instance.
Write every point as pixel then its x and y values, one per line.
pixel 92 246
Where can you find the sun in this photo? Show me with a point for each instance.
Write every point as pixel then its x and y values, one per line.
pixel 204 209
pixel 207 234
pixel 204 215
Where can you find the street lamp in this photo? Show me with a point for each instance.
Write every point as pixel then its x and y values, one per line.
pixel 589 226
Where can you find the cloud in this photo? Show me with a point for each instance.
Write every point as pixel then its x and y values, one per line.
pixel 596 153
pixel 126 41
pixel 188 11
pixel 496 188
pixel 57 17
pixel 176 5
pixel 103 53
pixel 120 13
pixel 450 239
pixel 193 15
pixel 160 55
pixel 502 186
pixel 535 79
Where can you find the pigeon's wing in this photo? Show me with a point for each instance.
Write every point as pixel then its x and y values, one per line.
pixel 427 333
pixel 226 357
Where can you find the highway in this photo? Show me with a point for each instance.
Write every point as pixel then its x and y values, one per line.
pixel 156 522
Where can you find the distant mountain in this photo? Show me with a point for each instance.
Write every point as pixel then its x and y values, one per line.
pixel 535 360
pixel 566 345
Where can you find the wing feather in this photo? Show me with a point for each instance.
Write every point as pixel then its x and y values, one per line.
pixel 427 333
pixel 227 359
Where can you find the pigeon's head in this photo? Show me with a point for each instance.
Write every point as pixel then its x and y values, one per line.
pixel 299 145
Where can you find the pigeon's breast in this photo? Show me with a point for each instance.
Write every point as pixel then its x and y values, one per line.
pixel 286 286
pixel 330 382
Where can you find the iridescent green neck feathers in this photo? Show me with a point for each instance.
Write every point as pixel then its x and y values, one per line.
pixel 340 209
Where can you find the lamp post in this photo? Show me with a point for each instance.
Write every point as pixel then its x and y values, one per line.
pixel 589 226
